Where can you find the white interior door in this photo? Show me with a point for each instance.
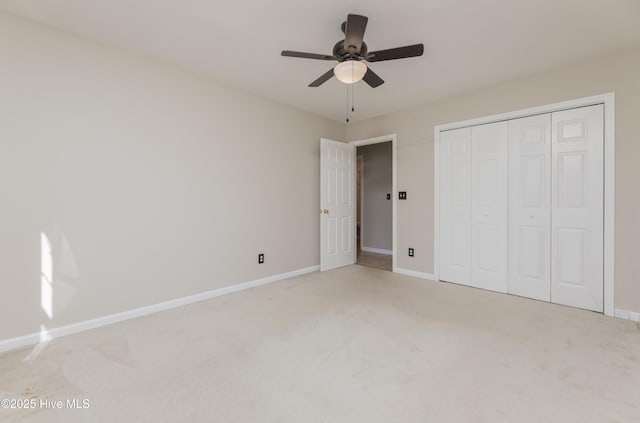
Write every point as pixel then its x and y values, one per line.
pixel 337 204
pixel 455 205
pixel 529 207
pixel 577 189
pixel 489 206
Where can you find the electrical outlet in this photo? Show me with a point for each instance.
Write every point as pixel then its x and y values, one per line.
pixel 410 252
pixel 402 195
pixel 260 258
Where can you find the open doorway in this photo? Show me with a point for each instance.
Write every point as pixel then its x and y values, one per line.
pixel 374 205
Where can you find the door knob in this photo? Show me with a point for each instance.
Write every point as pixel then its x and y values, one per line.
pixel 325 211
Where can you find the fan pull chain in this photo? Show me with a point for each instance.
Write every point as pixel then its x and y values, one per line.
pixel 353 98
pixel 346 104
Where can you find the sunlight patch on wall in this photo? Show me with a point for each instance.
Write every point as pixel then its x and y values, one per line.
pixel 46 275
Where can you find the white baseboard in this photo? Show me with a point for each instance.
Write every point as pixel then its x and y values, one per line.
pixel 415 274
pixel 377 250
pixel 35 338
pixel 627 315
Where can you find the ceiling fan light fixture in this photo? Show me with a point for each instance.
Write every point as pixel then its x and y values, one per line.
pixel 350 71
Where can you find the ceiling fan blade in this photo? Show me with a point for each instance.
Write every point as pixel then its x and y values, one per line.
pixel 396 53
pixel 372 78
pixel 354 32
pixel 324 78
pixel 303 55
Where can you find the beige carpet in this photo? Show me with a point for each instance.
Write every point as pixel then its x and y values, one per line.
pixel 355 344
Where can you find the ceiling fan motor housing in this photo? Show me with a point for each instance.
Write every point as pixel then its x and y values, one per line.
pixel 343 54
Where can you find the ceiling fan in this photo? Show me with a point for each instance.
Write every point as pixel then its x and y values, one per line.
pixel 352 51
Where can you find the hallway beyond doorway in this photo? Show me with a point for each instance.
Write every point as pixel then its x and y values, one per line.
pixel 379 261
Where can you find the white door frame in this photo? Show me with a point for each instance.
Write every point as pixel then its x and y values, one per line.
pixel 360 158
pixel 608 100
pixel 394 170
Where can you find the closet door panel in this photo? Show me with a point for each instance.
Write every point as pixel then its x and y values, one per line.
pixel 530 207
pixel 455 205
pixel 489 206
pixel 577 208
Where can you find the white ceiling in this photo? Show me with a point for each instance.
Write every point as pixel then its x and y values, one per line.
pixel 468 43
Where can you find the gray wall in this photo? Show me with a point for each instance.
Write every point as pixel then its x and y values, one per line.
pixel 414 128
pixel 376 227
pixel 150 183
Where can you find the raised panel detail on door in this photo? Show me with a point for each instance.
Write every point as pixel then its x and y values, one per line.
pixel 570 268
pixel 489 206
pixel 345 230
pixel 529 207
pixel 487 260
pixel 458 184
pixel 571 130
pixel 532 186
pixel 345 178
pixel 532 261
pixel 455 205
pixel 572 177
pixel 577 208
pixel 331 233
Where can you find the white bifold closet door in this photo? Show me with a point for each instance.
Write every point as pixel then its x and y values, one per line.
pixel 455 205
pixel 577 208
pixel 556 188
pixel 530 207
pixel 489 180
pixel 522 208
